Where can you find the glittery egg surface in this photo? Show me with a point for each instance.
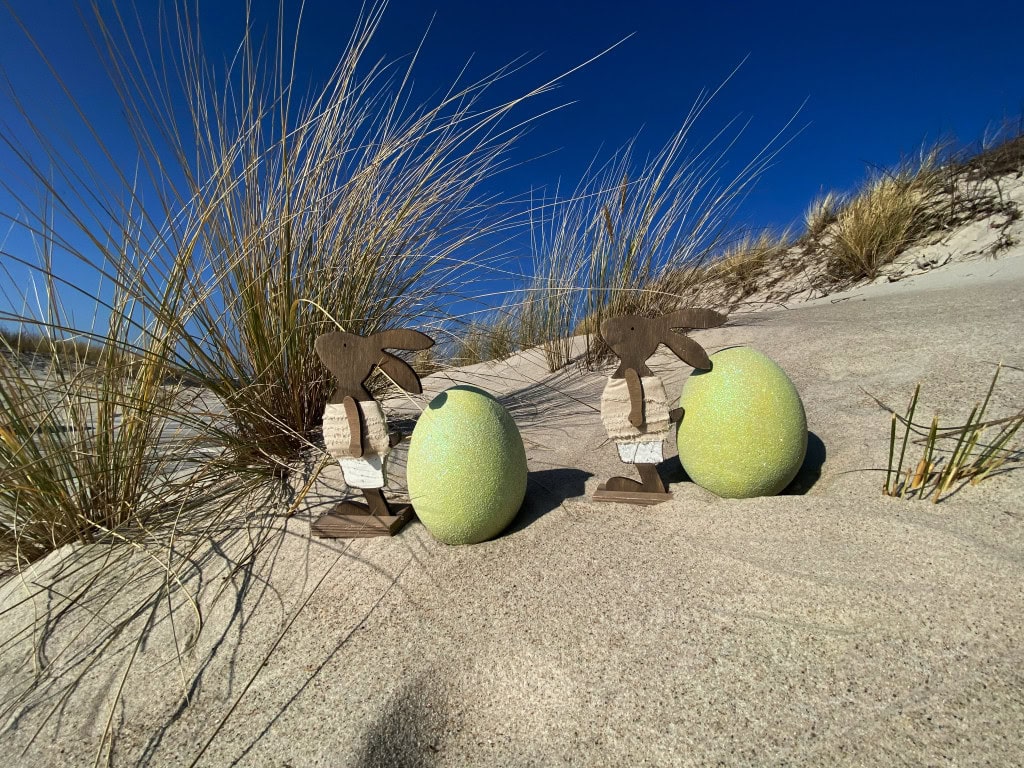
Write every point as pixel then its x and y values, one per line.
pixel 466 467
pixel 744 431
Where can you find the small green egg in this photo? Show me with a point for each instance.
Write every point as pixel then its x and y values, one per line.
pixel 744 431
pixel 466 467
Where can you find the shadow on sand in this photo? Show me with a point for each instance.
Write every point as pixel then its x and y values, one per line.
pixel 410 732
pixel 545 491
pixel 810 470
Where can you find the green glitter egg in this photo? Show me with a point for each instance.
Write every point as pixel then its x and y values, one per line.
pixel 467 467
pixel 744 431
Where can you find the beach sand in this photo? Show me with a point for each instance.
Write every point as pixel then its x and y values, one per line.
pixel 830 625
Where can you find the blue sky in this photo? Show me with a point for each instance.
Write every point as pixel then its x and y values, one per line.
pixel 878 78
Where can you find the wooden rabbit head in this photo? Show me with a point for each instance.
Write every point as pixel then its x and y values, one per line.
pixel 351 359
pixel 634 339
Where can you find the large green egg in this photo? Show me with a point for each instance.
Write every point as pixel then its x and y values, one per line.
pixel 744 431
pixel 467 467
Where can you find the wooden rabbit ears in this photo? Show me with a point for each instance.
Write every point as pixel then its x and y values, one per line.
pixel 351 358
pixel 633 338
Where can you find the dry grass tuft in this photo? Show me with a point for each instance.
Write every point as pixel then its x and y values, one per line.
pixel 886 216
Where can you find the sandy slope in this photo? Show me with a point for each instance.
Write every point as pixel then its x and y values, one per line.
pixel 835 626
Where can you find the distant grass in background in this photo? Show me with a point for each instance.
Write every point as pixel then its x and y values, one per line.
pixel 741 266
pixel 29 343
pixel 997 155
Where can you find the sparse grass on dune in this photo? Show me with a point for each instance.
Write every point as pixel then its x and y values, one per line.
pixel 1000 154
pixel 951 457
pixel 889 213
pixel 856 235
pixel 741 266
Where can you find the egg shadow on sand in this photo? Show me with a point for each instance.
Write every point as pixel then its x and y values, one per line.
pixel 671 470
pixel 546 489
pixel 810 470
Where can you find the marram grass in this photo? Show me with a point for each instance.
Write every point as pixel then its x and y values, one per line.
pixel 939 472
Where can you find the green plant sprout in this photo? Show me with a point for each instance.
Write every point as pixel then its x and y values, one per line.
pixel 971 460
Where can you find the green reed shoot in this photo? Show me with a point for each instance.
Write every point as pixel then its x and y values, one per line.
pixel 972 459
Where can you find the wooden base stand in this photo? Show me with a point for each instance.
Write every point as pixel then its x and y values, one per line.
pixel 352 520
pixel 630 497
pixel 625 491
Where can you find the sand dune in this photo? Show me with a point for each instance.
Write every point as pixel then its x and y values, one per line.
pixel 826 626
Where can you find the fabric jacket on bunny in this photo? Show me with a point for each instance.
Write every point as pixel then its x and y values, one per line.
pixel 370 469
pixel 643 444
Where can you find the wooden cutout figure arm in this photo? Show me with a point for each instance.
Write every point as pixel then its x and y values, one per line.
pixel 355 426
pixel 636 398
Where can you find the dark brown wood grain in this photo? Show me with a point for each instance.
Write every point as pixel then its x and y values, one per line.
pixel 636 398
pixel 634 338
pixel 355 427
pixel 350 520
pixel 351 359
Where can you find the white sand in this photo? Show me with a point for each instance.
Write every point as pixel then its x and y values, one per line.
pixel 837 627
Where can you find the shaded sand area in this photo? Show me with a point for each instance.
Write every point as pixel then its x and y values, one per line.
pixel 827 626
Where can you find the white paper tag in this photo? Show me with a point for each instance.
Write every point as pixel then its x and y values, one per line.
pixel 641 453
pixel 367 472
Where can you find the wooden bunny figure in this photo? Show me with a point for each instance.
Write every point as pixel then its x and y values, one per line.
pixel 634 407
pixel 356 432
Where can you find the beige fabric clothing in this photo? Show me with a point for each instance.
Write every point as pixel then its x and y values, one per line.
pixel 615 408
pixel 337 433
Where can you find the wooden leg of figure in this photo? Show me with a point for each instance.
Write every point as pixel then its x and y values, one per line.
pixel 376 502
pixel 652 480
